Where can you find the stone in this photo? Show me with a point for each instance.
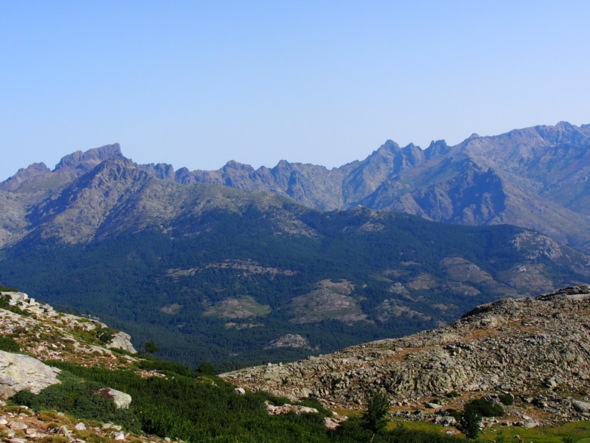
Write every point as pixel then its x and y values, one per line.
pixel 581 406
pixel 240 391
pixel 18 426
pixel 20 372
pixel 433 405
pixel 80 427
pixel 331 424
pixel 63 430
pixel 287 408
pixel 445 420
pixel 551 383
pixel 122 340
pixel 121 399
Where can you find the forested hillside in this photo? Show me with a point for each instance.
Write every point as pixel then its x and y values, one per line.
pixel 245 294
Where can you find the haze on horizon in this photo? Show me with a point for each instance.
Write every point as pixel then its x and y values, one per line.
pixel 197 84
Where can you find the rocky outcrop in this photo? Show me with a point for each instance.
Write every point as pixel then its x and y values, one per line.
pixel 121 400
pixel 21 372
pixel 122 340
pixel 48 334
pixel 536 349
pixel 287 409
pixel 21 424
pixel 289 341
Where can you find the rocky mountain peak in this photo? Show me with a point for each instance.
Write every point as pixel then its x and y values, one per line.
pixel 81 208
pixel 561 133
pixel 24 175
pixel 163 171
pixel 87 160
pixel 117 169
pixel 386 148
pixel 235 165
pixel 437 148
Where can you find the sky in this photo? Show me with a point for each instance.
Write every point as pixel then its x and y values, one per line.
pixel 198 83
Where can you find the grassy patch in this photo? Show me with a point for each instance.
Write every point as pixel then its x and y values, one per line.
pixel 578 431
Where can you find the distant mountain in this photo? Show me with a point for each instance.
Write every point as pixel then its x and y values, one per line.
pixel 216 273
pixel 536 178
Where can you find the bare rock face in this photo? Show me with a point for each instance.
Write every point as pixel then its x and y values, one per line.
pixel 19 372
pixel 122 340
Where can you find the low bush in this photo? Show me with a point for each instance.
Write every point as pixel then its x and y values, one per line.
pixel 485 408
pixel 155 364
pixel 105 335
pixel 9 345
pixel 199 408
pixel 77 397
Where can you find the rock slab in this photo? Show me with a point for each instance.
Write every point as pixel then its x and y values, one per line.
pixel 19 372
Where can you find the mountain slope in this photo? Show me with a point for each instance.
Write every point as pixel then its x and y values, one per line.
pixel 536 350
pixel 76 389
pixel 215 273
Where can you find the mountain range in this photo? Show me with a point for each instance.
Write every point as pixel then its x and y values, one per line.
pixel 536 178
pixel 247 265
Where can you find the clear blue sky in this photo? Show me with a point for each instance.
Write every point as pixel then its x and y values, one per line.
pixel 196 83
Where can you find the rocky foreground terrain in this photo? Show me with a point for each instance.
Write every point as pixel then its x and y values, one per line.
pixel 535 350
pixel 46 334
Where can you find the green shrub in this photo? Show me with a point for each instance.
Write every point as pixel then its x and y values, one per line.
pixel 155 364
pixel 206 408
pixel 205 368
pixel 9 345
pixel 23 398
pixel 105 334
pixel 374 417
pixel 150 347
pixel 469 423
pixel 485 408
pixel 506 399
pixel 77 397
